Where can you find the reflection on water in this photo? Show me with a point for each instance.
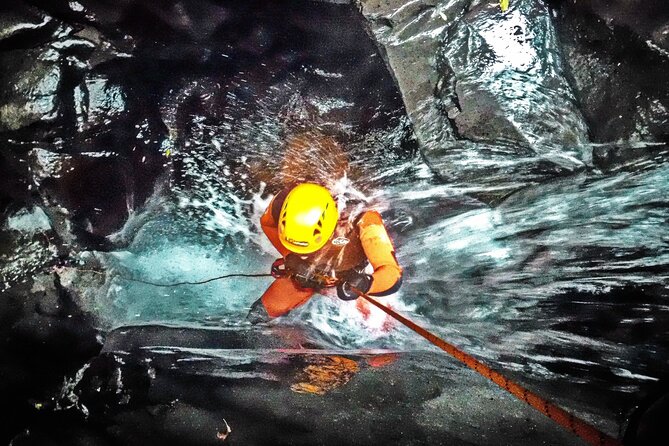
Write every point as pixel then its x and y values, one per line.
pixel 517 281
pixel 563 281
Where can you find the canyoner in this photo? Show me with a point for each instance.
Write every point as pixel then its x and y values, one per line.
pixel 241 221
pixel 320 248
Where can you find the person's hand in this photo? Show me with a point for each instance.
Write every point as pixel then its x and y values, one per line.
pixel 353 279
pixel 279 268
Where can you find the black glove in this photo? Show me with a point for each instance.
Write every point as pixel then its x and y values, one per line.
pixel 279 268
pixel 360 281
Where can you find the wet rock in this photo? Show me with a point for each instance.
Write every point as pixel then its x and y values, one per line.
pixel 485 90
pixel 177 422
pixel 649 19
pixel 29 87
pixel 49 299
pixel 27 243
pixel 408 37
pixel 98 102
pixel 60 431
pixel 419 398
pixel 507 79
pixel 76 48
pixel 108 384
pixel 183 106
pixel 619 81
pixel 44 337
pixel 37 86
pixel 193 19
pixel 106 48
pixel 65 324
pixel 198 19
pixel 103 14
pixel 647 425
pixel 612 157
pixel 18 19
pixel 29 220
pixel 15 181
pixel 137 338
pixel 90 195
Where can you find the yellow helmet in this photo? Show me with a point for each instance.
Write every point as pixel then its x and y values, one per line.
pixel 308 218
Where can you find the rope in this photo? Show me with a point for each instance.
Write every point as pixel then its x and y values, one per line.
pixel 581 428
pixel 200 282
pixel 226 276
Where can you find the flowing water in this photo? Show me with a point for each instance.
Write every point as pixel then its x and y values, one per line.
pixel 532 284
pixel 561 281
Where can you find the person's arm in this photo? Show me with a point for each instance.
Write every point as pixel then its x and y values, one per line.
pixel 381 254
pixel 271 229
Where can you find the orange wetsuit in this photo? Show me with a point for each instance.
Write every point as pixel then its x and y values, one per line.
pixel 355 243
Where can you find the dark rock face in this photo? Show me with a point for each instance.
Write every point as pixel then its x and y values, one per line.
pixel 71 171
pixel 44 337
pixel 25 26
pixel 498 64
pixel 649 19
pixel 18 19
pixel 109 383
pixel 28 243
pixel 612 157
pixel 30 85
pixel 89 196
pixel 98 101
pixel 648 423
pixel 61 91
pixel 42 59
pixel 521 94
pixel 620 82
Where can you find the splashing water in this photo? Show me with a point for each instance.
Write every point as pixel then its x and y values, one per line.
pixel 476 272
pixel 207 222
pixel 526 279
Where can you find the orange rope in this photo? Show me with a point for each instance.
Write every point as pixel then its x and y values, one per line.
pixel 586 431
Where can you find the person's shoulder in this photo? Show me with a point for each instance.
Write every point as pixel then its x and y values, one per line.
pixel 368 217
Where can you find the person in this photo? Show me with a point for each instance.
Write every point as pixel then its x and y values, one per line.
pixel 319 247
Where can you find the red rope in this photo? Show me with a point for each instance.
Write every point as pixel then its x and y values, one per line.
pixel 586 431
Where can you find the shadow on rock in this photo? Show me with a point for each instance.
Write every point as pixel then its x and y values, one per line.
pixel 44 337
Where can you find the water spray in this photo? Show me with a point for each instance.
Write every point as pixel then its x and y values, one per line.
pixel 576 425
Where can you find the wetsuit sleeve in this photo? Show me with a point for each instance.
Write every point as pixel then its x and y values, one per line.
pixel 380 252
pixel 270 227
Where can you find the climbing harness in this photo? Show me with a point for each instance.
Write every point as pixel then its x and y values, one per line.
pixel 584 430
pixel 306 278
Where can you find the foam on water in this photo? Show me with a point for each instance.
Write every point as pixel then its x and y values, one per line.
pixel 206 223
pixel 208 303
pixel 29 220
pixel 501 281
